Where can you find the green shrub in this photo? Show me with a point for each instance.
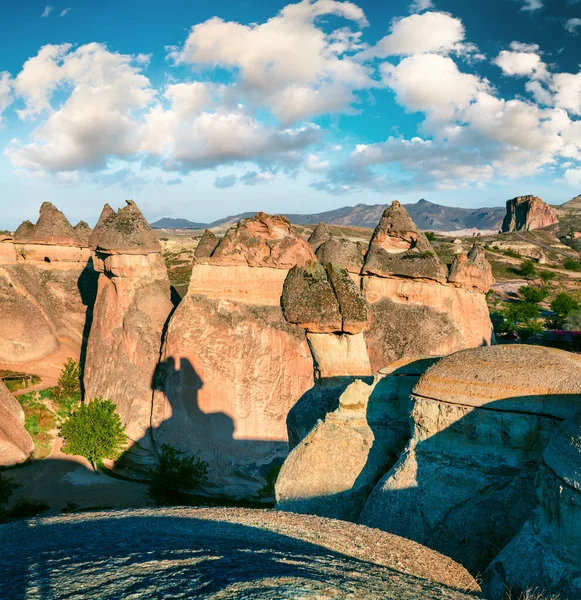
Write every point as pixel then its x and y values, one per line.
pixel 573 321
pixel 547 276
pixel 69 382
pixel 572 265
pixel 94 431
pixel 512 254
pixel 431 236
pixel 562 306
pixel 24 508
pixel 174 476
pixel 533 294
pixel 519 317
pixel 528 269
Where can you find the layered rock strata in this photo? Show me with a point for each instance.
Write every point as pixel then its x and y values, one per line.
pixel 546 554
pixel 417 308
pixel 526 213
pixel 16 445
pixel 231 366
pixel 131 310
pixel 482 418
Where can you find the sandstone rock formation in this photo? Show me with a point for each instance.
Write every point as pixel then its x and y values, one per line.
pixel 47 288
pixel 481 421
pixel 321 233
pixel 527 213
pixel 131 310
pixel 231 366
pixel 414 310
pixel 16 445
pixel 220 553
pixel 343 252
pixel 471 271
pixel 206 246
pixel 546 554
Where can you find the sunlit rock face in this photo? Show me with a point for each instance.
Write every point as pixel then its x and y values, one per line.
pixel 16 445
pixel 464 485
pixel 527 213
pixel 232 366
pixel 546 553
pixel 131 309
pixel 417 308
pixel 47 286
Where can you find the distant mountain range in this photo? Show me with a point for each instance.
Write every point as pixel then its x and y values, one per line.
pixel 427 216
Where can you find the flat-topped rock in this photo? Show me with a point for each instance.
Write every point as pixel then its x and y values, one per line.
pixel 123 232
pixel 220 553
pixel 399 249
pixel 206 246
pixel 471 271
pixel 262 241
pixel 321 233
pixel 527 213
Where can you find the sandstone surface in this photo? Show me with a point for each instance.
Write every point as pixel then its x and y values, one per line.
pixel 321 233
pixel 482 418
pixel 206 246
pixel 343 252
pixel 16 445
pixel 527 213
pixel 471 271
pixel 219 553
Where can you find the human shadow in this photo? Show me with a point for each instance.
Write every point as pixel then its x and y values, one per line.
pixel 164 554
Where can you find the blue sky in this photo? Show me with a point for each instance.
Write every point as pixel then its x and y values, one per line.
pixel 201 110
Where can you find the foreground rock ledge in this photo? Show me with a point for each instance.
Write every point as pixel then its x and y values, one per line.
pixel 218 553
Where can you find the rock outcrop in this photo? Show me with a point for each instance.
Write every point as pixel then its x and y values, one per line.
pixel 546 554
pixel 16 445
pixel 231 366
pixel 206 246
pixel 131 310
pixel 471 271
pixel 343 252
pixel 220 553
pixel 482 418
pixel 321 233
pixel 525 213
pixel 415 309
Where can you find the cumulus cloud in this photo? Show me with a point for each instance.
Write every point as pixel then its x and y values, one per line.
pixel 5 92
pixel 287 63
pixel 572 25
pixel 573 178
pixel 521 60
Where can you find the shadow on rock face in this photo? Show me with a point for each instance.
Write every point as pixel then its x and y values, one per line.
pixel 87 286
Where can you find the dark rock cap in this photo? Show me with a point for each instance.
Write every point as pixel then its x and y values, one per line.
pixel 51 228
pixel 24 231
pixel 123 232
pixel 206 246
pixel 343 252
pixel 398 248
pixel 82 232
pixel 321 233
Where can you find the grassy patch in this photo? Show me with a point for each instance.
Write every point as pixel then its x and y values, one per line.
pixel 18 381
pixel 39 421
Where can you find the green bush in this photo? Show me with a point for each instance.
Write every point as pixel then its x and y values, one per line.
pixel 533 294
pixel 572 265
pixel 431 236
pixel 94 431
pixel 547 276
pixel 174 476
pixel 562 306
pixel 69 382
pixel 573 321
pixel 528 269
pixel 520 317
pixel 24 508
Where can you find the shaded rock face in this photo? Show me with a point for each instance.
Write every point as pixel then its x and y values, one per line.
pixel 527 213
pixel 333 469
pixel 321 233
pixel 546 553
pixel 206 246
pixel 345 253
pixel 471 271
pixel 481 419
pixel 232 366
pixel 16 445
pixel 131 309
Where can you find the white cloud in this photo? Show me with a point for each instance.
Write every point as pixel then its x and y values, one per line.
pixel 5 92
pixel 66 11
pixel 315 164
pixel 521 60
pixel 287 63
pixel 573 178
pixel 532 5
pixel 573 24
pixel 47 11
pixel 420 5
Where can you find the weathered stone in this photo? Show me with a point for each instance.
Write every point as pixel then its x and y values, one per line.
pixel 24 231
pixel 321 233
pixel 83 233
pixel 16 445
pixel 262 241
pixel 339 355
pixel 481 421
pixel 51 228
pixel 471 271
pixel 347 254
pixel 399 249
pixel 206 246
pixel 546 553
pixel 527 213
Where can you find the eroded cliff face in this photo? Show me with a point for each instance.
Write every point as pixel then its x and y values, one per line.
pixel 231 366
pixel 16 445
pixel 527 213
pixel 131 310
pixel 417 307
pixel 47 287
pixel 481 419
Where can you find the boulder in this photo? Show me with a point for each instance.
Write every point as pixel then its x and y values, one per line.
pixel 546 553
pixel 206 246
pixel 481 420
pixel 333 469
pixel 525 213
pixel 16 445
pixel 399 249
pixel 345 253
pixel 471 271
pixel 131 309
pixel 321 233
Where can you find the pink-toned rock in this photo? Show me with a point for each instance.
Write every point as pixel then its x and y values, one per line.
pixel 16 445
pixel 471 271
pixel 262 241
pixel 130 312
pixel 527 213
pixel 7 251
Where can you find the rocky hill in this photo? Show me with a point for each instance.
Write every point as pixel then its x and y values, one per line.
pixel 427 216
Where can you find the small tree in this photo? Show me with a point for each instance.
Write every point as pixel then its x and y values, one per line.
pixel 547 276
pixel 94 431
pixel 175 475
pixel 573 321
pixel 572 265
pixel 533 294
pixel 519 317
pixel 563 305
pixel 69 382
pixel 528 269
pixel 431 236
